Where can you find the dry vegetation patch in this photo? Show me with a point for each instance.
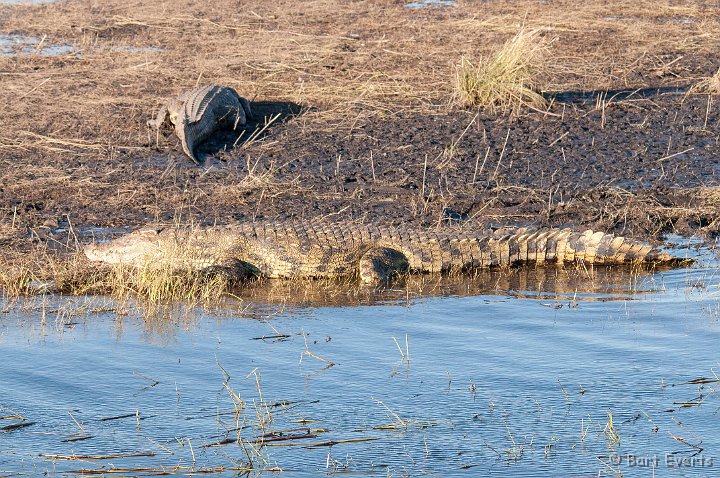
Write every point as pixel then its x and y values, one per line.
pixel 508 81
pixel 709 85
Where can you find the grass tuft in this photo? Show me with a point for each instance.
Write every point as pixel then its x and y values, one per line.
pixel 164 285
pixel 16 280
pixel 508 81
pixel 173 273
pixel 708 86
pixel 45 272
pixel 611 432
pixel 155 284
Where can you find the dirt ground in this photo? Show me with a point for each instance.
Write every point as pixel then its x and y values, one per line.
pixel 355 118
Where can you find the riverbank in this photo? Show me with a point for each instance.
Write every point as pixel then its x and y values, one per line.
pixel 355 118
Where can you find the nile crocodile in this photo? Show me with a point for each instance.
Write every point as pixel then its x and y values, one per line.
pixel 199 113
pixel 373 253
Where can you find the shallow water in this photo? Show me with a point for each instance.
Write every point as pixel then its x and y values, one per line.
pixel 518 382
pixel 15 44
pixel 20 2
pixel 430 3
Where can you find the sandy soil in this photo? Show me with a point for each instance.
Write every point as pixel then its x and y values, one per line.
pixel 355 106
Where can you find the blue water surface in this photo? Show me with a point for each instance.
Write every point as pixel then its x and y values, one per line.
pixel 513 383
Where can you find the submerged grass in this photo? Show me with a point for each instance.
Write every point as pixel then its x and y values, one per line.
pixel 611 433
pixel 510 79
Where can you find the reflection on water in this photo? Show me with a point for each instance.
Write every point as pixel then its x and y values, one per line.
pixel 512 374
pixel 550 283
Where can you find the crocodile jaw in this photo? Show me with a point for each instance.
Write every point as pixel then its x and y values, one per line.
pixel 135 248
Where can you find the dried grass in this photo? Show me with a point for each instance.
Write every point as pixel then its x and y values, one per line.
pixel 370 62
pixel 44 271
pixel 708 196
pixel 156 287
pixel 510 80
pixel 708 86
pixel 172 273
pixel 154 284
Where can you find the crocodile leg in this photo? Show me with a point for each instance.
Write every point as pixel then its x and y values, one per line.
pixel 160 118
pixel 381 263
pixel 233 270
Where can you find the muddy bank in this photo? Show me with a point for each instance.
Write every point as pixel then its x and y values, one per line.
pixel 357 124
pixel 644 166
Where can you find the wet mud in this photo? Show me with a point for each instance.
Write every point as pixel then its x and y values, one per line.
pixel 644 166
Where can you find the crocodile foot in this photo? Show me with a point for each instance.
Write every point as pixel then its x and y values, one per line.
pixel 380 264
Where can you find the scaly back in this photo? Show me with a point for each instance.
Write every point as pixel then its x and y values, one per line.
pixel 197 101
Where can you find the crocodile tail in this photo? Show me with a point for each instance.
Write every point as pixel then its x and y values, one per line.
pixel 185 133
pixel 566 245
pixel 245 105
pixel 601 248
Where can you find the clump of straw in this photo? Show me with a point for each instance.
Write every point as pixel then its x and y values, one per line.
pixel 507 81
pixel 708 86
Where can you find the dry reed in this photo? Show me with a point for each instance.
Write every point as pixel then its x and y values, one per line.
pixel 708 86
pixel 510 79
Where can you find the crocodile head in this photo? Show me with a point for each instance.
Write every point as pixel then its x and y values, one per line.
pixel 135 248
